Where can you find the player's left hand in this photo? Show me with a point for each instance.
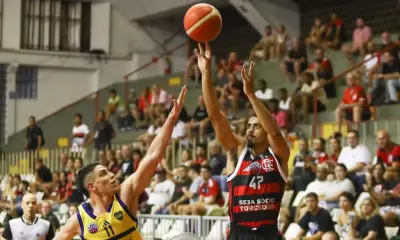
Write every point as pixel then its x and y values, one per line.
pixel 178 103
pixel 248 79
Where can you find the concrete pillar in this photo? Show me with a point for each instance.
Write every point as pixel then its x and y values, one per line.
pixel 11 24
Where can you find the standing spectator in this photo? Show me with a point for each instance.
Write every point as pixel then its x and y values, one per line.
pixel 355 156
pixel 266 47
pixel 316 221
pixel 47 214
pixel 391 73
pixel 264 93
pixel 296 60
pixel 217 159
pixel 80 133
pixel 34 136
pixel 371 225
pixel 199 121
pixel 362 34
pixel 114 105
pixel 103 133
pixel 334 33
pixel 354 106
pixel 316 34
pixel 387 152
pixel 28 226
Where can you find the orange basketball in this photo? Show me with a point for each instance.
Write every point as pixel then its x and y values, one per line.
pixel 202 22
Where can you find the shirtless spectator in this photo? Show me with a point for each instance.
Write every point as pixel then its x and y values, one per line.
pixel 266 47
pixel 199 121
pixel 354 106
pixel 362 34
pixel 316 34
pixel 334 33
pixel 115 104
pixel 387 152
pixel 296 60
pixel 191 70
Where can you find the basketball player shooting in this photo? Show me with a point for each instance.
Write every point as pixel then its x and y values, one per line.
pixel 110 212
pixel 256 178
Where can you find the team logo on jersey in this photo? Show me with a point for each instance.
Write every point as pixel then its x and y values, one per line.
pixel 119 215
pixel 93 228
pixel 253 168
pixel 267 165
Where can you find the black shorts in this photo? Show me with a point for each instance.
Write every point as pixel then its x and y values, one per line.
pixel 244 233
pixel 365 115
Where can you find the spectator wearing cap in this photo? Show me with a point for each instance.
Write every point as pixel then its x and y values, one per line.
pixel 387 152
pixel 114 104
pixel 354 106
pixel 355 156
pixel 362 34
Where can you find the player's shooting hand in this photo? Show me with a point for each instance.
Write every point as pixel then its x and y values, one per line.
pixel 248 80
pixel 178 103
pixel 204 57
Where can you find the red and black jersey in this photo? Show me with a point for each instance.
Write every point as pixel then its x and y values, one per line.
pixel 256 188
pixel 388 156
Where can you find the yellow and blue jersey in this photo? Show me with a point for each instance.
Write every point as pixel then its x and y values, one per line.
pixel 116 223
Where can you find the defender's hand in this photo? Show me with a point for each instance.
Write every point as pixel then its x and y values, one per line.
pixel 248 79
pixel 178 104
pixel 203 57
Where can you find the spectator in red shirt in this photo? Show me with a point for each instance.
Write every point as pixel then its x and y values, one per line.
pixel 388 152
pixel 336 147
pixel 145 103
pixel 319 153
pixel 210 195
pixel 324 71
pixel 354 106
pixel 334 33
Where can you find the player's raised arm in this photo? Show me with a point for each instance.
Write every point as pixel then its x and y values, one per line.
pixel 226 137
pixel 69 230
pixel 268 122
pixel 138 181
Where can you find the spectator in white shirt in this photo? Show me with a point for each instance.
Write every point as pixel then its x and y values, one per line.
pixel 320 185
pixel 161 190
pixel 80 132
pixel 264 93
pixel 355 156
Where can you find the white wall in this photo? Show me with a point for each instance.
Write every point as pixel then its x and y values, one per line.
pixel 252 14
pixel 56 89
pixel 11 24
pixel 100 28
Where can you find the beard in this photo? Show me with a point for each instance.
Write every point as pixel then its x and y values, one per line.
pixel 250 143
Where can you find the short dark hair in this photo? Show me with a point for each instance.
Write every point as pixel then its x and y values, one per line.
pixel 81 177
pixel 195 168
pixel 113 91
pixel 262 81
pixel 207 167
pixel 349 197
pixel 78 115
pixel 355 133
pixel 312 195
pixel 342 166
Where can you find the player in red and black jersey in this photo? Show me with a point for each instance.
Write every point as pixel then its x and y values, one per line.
pixel 257 178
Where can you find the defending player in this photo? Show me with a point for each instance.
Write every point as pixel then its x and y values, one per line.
pixel 110 212
pixel 257 178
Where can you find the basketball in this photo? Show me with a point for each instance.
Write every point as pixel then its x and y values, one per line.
pixel 202 22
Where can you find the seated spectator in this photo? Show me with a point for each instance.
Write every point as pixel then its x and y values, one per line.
pixel 133 108
pixel 355 156
pixel 320 185
pixel 280 116
pixel 282 41
pixel 370 61
pixel 334 33
pixel 191 193
pixel 217 159
pixel 115 104
pixel 186 157
pixel 336 148
pixel 144 105
pixel 221 82
pixel 371 225
pixel 152 131
pixel 354 106
pixel 234 65
pixel 319 153
pixel 316 221
pixel 125 120
pixel 304 167
pixel 191 70
pixel 44 177
pixel 266 47
pixel 200 157
pixel 305 97
pixel 316 34
pixel 264 93
pixel 323 68
pixel 387 152
pixel 200 121
pixel 390 72
pixel 160 192
pixel 210 195
pixel 61 191
pixel 112 165
pixel 362 34
pixel 332 235
pixel 347 219
pixel 388 45
pixel 178 197
pixel 295 62
pixel 286 104
pixel 231 96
